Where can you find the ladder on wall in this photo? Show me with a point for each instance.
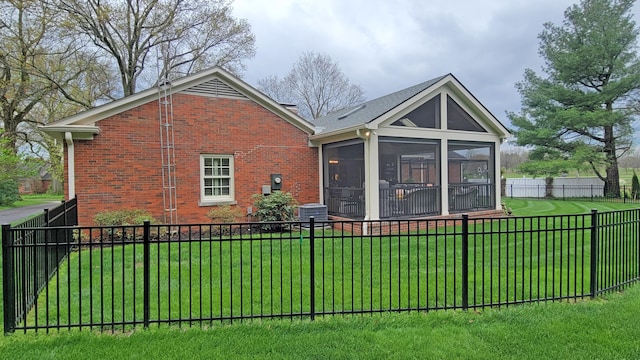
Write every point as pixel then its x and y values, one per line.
pixel 167 146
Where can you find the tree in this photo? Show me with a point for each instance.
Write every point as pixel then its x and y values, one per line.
pixel 581 112
pixel 316 84
pixel 635 187
pixel 37 60
pixel 512 158
pixel 172 37
pixel 13 167
pixel 630 159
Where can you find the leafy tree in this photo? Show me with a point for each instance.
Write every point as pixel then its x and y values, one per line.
pixel 13 167
pixel 316 84
pixel 48 72
pixel 45 74
pixel 510 159
pixel 580 112
pixel 37 61
pixel 186 36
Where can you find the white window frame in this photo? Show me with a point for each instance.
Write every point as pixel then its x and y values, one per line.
pixel 216 199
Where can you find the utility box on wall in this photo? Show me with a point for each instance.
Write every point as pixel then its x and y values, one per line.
pixel 276 182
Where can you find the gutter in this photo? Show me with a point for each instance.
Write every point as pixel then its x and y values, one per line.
pixel 71 172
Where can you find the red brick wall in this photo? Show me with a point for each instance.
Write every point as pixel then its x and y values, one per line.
pixel 121 167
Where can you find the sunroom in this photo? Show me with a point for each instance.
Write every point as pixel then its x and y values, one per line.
pixel 431 149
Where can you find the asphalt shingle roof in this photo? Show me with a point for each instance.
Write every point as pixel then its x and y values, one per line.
pixel 370 110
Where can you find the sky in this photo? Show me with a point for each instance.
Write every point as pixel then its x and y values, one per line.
pixel 389 45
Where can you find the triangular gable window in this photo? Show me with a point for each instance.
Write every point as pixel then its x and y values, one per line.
pixel 458 119
pixel 425 116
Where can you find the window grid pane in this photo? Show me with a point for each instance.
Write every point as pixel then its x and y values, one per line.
pixel 217 177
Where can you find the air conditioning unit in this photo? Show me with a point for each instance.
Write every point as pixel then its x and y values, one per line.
pixel 318 211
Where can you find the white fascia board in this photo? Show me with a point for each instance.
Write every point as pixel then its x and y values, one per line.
pixel 458 89
pixel 79 132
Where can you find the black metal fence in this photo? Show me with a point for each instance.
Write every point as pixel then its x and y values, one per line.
pixel 35 257
pixel 117 278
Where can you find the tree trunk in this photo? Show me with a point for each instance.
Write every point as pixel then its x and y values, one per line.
pixel 10 134
pixel 612 182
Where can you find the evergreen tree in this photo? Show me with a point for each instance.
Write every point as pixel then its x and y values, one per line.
pixel 635 187
pixel 580 114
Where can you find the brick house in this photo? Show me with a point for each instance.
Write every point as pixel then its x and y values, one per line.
pixel 208 139
pixel 179 150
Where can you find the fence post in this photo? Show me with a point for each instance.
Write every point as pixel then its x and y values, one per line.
pixel 64 217
pixel 146 271
pixel 591 192
pixel 465 261
pixel 593 273
pixel 8 284
pixel 312 270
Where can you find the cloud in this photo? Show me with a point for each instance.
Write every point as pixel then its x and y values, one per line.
pixel 385 46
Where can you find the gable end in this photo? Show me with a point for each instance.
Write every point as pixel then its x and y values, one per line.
pixel 215 88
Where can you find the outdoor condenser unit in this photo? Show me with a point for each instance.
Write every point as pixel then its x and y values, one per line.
pixel 318 211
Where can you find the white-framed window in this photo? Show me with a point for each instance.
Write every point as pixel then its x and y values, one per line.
pixel 216 178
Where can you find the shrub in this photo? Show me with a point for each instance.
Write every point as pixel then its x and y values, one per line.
pixel 8 192
pixel 278 206
pixel 225 214
pixel 123 217
pixel 635 186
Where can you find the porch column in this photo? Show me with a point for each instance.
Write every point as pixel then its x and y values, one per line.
pixel 444 176
pixel 372 191
pixel 497 178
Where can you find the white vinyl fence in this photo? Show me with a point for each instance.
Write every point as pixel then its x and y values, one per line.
pixel 561 187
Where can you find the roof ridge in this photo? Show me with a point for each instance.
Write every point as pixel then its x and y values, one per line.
pixel 371 110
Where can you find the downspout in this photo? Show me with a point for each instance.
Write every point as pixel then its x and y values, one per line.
pixel 71 173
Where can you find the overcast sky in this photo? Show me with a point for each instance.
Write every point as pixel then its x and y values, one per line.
pixel 388 45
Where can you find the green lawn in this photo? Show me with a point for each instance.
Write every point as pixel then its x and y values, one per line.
pixel 203 279
pixel 528 207
pixel 600 329
pixel 33 199
pixel 588 329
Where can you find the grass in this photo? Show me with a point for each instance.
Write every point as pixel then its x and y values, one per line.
pixel 603 328
pixel 528 207
pixel 213 275
pixel 33 199
pixel 219 279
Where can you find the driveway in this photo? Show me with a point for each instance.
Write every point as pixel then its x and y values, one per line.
pixel 10 215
